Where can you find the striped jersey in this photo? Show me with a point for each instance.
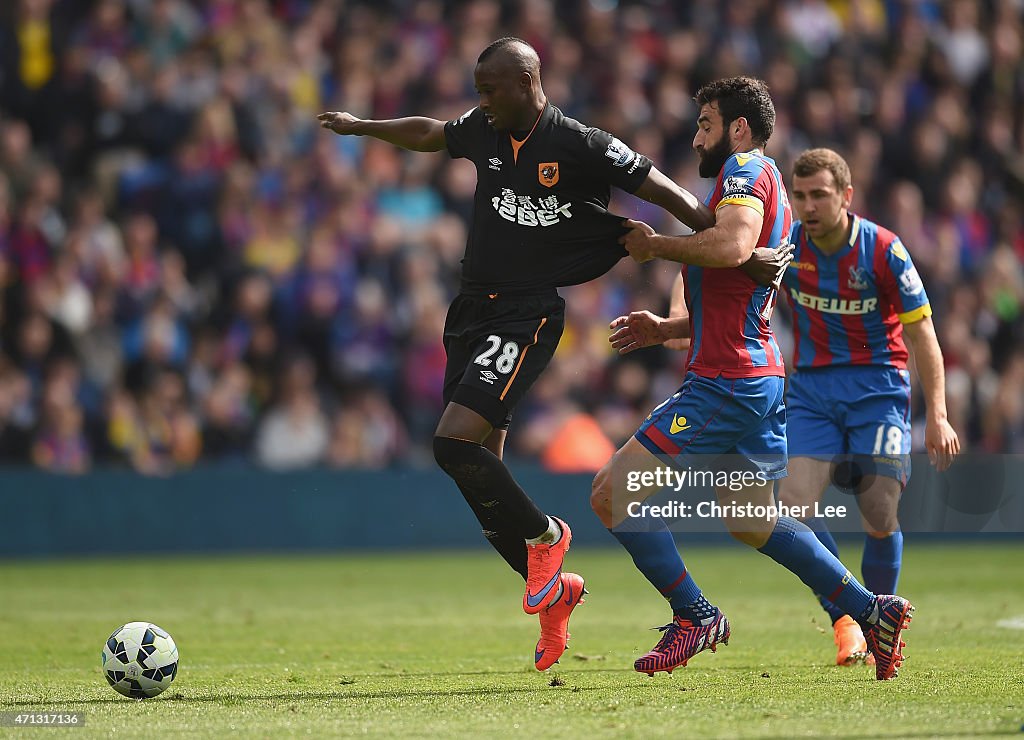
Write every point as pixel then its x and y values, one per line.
pixel 730 313
pixel 850 307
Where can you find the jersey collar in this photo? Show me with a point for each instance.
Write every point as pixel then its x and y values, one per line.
pixel 539 123
pixel 743 157
pixel 854 229
pixel 854 236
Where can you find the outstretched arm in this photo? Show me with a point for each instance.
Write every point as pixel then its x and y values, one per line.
pixel 765 266
pixel 417 133
pixel 939 437
pixel 729 243
pixel 681 203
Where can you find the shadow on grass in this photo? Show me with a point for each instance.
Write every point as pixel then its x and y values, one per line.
pixel 350 690
pixel 568 682
pixel 320 696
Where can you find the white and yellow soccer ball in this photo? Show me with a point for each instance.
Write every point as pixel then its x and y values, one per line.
pixel 139 660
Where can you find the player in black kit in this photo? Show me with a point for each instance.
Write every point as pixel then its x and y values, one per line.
pixel 540 221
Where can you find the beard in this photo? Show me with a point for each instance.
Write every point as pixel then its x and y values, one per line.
pixel 712 160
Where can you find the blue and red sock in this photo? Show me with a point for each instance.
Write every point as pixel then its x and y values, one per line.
pixel 819 526
pixel 881 562
pixel 653 549
pixel 794 546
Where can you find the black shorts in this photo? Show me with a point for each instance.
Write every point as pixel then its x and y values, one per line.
pixel 497 347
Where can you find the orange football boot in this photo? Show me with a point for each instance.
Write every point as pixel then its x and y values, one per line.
pixel 554 623
pixel 849 639
pixel 544 568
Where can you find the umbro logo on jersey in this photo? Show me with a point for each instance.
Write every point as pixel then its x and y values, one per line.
pixel 488 377
pixel 495 164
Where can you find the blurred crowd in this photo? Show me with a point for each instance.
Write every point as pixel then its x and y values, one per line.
pixel 193 271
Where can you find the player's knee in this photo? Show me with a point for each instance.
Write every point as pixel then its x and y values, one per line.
pixel 462 422
pixel 601 496
pixel 881 525
pixel 750 538
pixel 796 497
pixel 442 452
pixel 451 454
pixel 879 506
pixel 880 534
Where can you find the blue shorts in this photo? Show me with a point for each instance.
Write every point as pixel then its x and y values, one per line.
pixel 858 410
pixel 722 416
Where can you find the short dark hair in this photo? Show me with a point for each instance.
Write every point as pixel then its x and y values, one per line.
pixel 742 97
pixel 816 160
pixel 511 45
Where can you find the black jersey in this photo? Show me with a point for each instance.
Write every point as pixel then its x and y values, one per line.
pixel 540 213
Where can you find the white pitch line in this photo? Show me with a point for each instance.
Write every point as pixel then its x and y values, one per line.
pixel 1014 623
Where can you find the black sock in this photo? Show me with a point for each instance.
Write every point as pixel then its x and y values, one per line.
pixel 502 537
pixel 482 476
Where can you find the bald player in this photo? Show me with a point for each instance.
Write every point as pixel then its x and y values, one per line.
pixel 540 221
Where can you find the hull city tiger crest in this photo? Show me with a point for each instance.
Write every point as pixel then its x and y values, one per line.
pixel 547 174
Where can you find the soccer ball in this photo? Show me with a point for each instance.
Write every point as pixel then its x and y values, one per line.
pixel 139 660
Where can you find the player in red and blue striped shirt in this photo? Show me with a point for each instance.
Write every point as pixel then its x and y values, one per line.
pixel 717 300
pixel 731 400
pixel 855 294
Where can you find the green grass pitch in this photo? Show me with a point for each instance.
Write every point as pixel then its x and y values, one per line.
pixel 436 645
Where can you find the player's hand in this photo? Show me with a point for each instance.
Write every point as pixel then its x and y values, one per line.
pixel 339 122
pixel 767 266
pixel 639 329
pixel 638 241
pixel 942 443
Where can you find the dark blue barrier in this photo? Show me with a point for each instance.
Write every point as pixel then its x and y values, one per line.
pixel 244 509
